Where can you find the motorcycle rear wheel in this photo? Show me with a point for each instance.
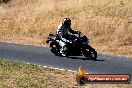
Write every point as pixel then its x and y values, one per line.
pixel 54 48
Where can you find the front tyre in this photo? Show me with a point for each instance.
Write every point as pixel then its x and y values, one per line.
pixel 90 54
pixel 54 48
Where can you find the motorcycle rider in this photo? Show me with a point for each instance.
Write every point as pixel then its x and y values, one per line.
pixel 62 32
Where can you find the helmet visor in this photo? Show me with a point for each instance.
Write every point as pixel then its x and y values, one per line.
pixel 68 24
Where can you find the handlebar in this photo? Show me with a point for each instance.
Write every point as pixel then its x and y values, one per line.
pixel 79 34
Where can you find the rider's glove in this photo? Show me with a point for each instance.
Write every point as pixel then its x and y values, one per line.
pixel 78 32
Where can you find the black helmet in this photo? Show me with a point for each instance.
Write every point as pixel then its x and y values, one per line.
pixel 67 22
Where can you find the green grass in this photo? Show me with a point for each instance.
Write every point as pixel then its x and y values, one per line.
pixel 20 75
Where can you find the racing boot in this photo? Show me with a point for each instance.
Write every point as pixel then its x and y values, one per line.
pixel 63 51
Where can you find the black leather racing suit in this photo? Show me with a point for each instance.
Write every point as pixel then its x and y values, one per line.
pixel 62 32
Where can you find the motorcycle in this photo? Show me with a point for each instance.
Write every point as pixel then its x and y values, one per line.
pixel 78 46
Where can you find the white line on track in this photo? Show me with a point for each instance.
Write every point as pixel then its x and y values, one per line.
pixel 53 68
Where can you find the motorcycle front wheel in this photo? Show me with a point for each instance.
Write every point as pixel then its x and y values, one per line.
pixel 90 54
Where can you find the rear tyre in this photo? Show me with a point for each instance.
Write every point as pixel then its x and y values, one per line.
pixel 54 48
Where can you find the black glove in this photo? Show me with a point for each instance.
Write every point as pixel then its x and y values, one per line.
pixel 78 32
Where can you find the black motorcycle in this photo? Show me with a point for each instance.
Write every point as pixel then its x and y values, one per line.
pixel 79 46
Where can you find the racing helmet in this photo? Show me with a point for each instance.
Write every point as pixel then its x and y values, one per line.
pixel 67 22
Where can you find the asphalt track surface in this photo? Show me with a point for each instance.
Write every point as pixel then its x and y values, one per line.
pixel 106 63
